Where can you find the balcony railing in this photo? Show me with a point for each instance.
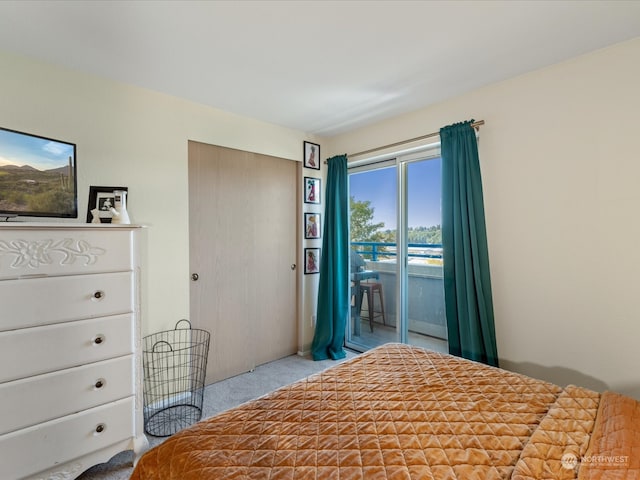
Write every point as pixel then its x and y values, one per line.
pixel 373 250
pixel 425 290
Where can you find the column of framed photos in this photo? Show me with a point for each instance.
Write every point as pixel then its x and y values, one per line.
pixel 312 221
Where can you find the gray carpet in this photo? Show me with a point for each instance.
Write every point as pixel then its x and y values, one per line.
pixel 222 396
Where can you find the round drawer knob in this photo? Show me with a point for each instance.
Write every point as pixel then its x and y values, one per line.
pixel 98 295
pixel 101 427
pixel 99 339
pixel 99 384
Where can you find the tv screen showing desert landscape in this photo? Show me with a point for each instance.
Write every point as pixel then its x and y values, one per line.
pixel 37 176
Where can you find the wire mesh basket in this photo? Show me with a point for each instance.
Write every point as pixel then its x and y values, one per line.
pixel 175 364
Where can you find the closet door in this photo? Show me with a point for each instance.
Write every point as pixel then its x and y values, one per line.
pixel 242 227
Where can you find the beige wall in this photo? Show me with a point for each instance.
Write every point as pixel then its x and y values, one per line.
pixel 138 138
pixel 561 172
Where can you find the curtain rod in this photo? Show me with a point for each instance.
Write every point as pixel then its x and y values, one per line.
pixel 475 125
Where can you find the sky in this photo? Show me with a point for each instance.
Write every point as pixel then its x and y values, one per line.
pixel 423 190
pixel 41 153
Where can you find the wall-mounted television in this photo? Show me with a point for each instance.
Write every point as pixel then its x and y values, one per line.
pixel 37 176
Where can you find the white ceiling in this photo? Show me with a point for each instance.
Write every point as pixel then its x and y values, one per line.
pixel 322 67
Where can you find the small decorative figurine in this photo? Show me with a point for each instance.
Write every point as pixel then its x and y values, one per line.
pixel 120 214
pixel 96 216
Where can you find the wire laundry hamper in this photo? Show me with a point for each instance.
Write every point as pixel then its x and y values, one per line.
pixel 175 364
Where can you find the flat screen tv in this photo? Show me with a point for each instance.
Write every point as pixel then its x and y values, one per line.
pixel 37 176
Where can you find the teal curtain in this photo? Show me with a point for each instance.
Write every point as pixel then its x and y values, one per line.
pixel 467 282
pixel 333 291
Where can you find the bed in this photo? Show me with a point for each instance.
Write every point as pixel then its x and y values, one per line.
pixel 402 412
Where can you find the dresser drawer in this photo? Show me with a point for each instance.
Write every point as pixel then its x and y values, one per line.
pixel 41 301
pixel 43 446
pixel 33 351
pixel 64 251
pixel 41 398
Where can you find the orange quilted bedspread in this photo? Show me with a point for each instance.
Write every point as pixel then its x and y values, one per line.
pixel 614 448
pixel 395 412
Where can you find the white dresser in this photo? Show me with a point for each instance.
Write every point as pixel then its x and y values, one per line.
pixel 70 364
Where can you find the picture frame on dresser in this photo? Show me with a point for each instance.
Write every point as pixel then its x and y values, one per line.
pixel 102 199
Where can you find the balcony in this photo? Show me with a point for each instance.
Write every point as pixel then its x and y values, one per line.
pixel 426 311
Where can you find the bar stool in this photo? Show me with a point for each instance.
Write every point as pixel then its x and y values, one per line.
pixel 370 288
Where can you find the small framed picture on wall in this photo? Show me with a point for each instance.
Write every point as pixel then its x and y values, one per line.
pixel 311 155
pixel 311 260
pixel 312 225
pixel 311 190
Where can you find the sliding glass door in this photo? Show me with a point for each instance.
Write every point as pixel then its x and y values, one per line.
pixel 396 253
pixel 424 313
pixel 373 196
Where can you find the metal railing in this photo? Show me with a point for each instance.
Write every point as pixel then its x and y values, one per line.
pixel 424 292
pixel 373 250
